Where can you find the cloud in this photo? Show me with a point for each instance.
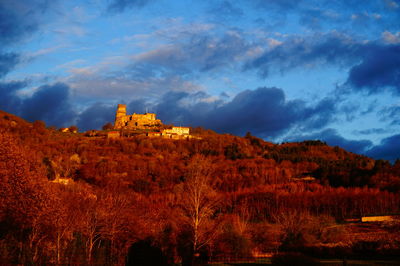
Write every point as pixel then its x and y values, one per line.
pixel 98 114
pixel 8 62
pixel 371 131
pixel 267 113
pixel 335 14
pixel 127 84
pixel 18 19
pixel 380 68
pixel 117 6
pixel 139 106
pixel 388 149
pixel 312 51
pixel 391 113
pixel 200 53
pixel 174 67
pixel 15 21
pixel 95 116
pixel 49 103
pixel 391 38
pixel 264 111
pixel 9 101
pixel 376 69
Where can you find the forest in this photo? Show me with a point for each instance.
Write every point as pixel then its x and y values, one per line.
pixel 75 199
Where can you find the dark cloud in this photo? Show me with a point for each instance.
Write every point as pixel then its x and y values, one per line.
pixel 332 48
pixel 267 113
pixel 9 101
pixel 380 68
pixel 7 62
pixel 139 106
pixel 264 111
pixel 332 138
pixel 96 116
pixel 19 18
pixel 116 6
pixel 14 25
pixel 182 108
pixel 13 22
pixel 320 115
pixel 49 103
pixel 388 149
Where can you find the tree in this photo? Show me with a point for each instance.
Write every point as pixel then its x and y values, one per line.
pixel 108 126
pixel 23 196
pixel 73 129
pixel 199 202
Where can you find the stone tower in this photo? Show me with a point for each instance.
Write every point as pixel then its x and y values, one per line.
pixel 120 115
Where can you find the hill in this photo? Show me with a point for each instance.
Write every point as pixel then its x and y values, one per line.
pixel 265 162
pixel 95 196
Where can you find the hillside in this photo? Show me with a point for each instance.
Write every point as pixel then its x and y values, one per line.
pixel 70 198
pixel 249 161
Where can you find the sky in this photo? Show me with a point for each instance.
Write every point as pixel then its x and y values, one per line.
pixel 283 70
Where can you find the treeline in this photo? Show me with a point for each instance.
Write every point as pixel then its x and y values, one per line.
pixel 178 200
pixel 340 203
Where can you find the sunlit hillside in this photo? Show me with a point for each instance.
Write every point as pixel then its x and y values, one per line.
pixel 76 199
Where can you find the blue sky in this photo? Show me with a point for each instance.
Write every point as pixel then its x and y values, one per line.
pixel 285 70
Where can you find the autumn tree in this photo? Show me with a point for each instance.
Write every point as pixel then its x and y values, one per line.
pixel 23 196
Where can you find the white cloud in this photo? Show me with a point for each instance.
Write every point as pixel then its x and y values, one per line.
pixel 71 64
pixel 390 37
pixel 47 50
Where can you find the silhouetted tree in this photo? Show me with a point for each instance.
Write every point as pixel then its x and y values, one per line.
pixel 108 126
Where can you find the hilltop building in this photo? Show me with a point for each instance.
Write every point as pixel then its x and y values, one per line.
pixel 145 124
pixel 135 121
pixel 176 132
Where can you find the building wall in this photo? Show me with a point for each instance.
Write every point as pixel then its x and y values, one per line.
pixel 376 218
pixel 113 134
pixel 177 130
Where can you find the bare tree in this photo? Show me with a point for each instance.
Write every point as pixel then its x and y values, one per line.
pixel 199 202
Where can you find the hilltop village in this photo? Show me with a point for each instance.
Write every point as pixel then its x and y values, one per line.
pixel 144 124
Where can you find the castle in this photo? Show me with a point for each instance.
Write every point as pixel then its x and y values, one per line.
pixel 145 124
pixel 135 121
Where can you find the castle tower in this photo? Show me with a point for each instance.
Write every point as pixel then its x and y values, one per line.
pixel 119 116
